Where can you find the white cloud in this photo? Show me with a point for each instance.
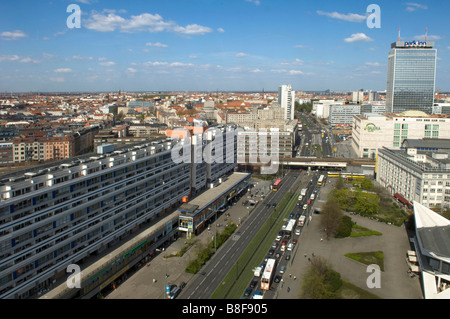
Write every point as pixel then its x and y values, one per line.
pixel 221 30
pixel 374 64
pixel 109 63
pixel 9 58
pixel 62 70
pixel 256 70
pixel 295 62
pixel 29 60
pixel 241 55
pixel 358 37
pixel 350 17
pixel 295 72
pixel 157 44
pixel 131 70
pixel 411 6
pixel 12 35
pixel 255 2
pixel 110 21
pixel 429 37
pixel 192 29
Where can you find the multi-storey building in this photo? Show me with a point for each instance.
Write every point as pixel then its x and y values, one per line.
pixel 342 114
pixel 286 100
pixel 411 77
pixel 373 131
pixel 414 175
pixel 56 216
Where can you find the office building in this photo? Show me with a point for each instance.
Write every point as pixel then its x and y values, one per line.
pixel 371 131
pixel 411 77
pixel 286 100
pixel 342 115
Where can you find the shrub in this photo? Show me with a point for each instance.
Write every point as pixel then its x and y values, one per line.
pixel 345 227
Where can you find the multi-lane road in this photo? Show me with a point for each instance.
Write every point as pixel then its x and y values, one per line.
pixel 279 254
pixel 212 274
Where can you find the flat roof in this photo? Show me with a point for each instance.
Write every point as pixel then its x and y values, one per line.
pixel 206 198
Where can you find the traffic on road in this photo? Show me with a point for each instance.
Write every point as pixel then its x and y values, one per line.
pixel 268 275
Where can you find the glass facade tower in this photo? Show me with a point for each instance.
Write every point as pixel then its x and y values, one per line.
pixel 411 77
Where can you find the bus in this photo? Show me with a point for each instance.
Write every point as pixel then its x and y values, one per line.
pixel 267 276
pixel 276 186
pixel 321 180
pixel 290 226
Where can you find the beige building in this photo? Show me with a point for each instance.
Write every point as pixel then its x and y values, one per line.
pixel 371 132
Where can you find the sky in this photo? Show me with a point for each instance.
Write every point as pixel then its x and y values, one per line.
pixel 211 45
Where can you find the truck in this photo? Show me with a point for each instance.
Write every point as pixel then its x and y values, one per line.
pixel 303 192
pixel 257 271
pixel 301 220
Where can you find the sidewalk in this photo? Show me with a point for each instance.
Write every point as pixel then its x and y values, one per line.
pixel 149 282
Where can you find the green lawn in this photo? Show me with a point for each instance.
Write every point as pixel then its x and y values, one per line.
pixel 349 291
pixel 368 258
pixel 359 231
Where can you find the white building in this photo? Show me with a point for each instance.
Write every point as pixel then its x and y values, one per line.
pixel 286 100
pixel 414 175
pixel 432 252
pixel 373 131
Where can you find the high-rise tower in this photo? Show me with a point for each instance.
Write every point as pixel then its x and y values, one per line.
pixel 286 99
pixel 411 76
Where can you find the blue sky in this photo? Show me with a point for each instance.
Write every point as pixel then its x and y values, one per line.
pixel 209 45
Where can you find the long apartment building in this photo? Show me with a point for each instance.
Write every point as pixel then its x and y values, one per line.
pixel 53 217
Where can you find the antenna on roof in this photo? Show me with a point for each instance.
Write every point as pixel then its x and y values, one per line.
pixel 398 34
pixel 426 34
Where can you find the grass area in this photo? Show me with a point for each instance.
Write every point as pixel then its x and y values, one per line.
pixel 359 231
pixel 350 291
pixel 241 273
pixel 368 258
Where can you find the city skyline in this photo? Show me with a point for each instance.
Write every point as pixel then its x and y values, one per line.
pixel 243 45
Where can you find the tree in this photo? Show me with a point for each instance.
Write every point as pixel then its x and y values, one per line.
pixel 331 216
pixel 320 281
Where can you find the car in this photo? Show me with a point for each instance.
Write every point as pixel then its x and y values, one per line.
pixel 277 255
pixel 278 238
pixel 182 285
pixel 248 292
pixel 297 232
pixel 282 269
pixel 274 245
pixel 253 284
pixel 274 204
pixel 294 241
pixel 277 279
pixel 287 257
pixel 271 252
pixel 305 206
pixel 290 246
